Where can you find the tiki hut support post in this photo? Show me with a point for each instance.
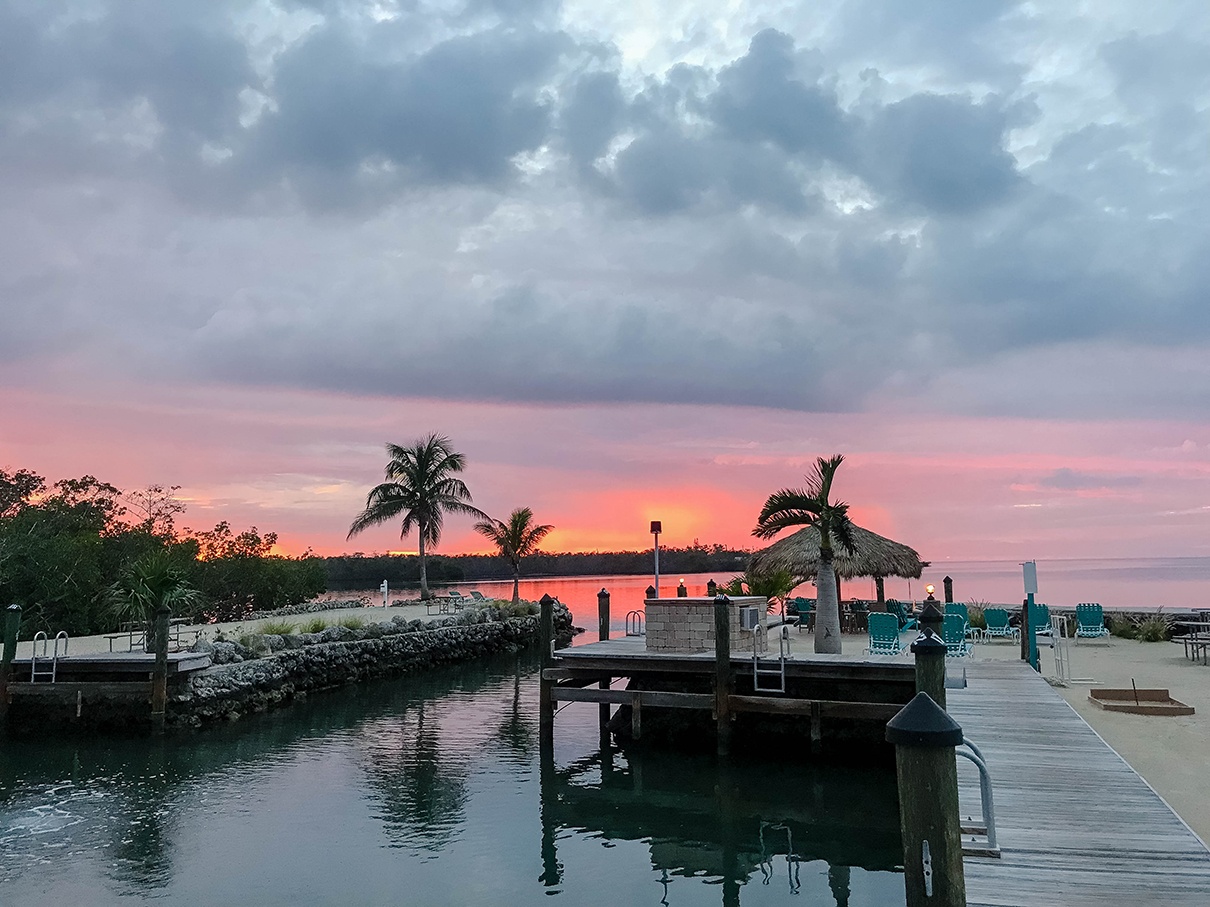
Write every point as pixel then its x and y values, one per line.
pixel 880 588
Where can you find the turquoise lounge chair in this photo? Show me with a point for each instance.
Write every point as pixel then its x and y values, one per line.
pixel 997 624
pixel 1090 621
pixel 953 634
pixel 1039 620
pixel 958 608
pixel 806 611
pixel 884 634
pixel 894 606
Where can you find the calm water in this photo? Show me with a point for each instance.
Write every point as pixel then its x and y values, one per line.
pixel 432 791
pixel 1147 583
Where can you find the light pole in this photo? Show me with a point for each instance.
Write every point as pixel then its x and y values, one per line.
pixel 656 529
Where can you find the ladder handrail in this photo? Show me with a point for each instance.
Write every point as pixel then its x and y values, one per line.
pixel 974 754
pixel 780 672
pixel 636 623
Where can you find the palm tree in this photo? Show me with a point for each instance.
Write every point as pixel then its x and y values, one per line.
pixel 811 506
pixel 516 539
pixel 421 485
pixel 144 585
pixel 774 586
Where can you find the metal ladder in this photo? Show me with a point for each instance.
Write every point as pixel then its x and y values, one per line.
pixel 50 674
pixel 636 623
pixel 758 672
pixel 987 829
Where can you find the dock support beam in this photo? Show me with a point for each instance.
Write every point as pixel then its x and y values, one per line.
pixel 12 624
pixel 159 675
pixel 603 634
pixel 546 702
pixel 723 680
pixel 925 736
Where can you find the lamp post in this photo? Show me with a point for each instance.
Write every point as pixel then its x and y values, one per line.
pixel 656 529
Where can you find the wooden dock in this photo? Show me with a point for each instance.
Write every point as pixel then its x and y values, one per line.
pixel 1077 825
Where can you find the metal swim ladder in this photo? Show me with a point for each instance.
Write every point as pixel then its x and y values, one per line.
pixel 987 829
pixel 49 675
pixel 766 672
pixel 636 623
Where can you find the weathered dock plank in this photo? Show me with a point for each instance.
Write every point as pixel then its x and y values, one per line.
pixel 1077 825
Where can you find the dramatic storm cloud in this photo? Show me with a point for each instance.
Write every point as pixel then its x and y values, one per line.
pixel 950 211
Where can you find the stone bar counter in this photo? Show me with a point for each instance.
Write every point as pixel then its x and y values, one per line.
pixel 687 624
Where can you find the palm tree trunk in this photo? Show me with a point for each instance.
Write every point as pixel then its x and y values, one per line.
pixel 827 608
pixel 516 586
pixel 424 572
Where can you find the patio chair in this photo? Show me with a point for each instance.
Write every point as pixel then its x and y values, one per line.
pixel 953 634
pixel 997 625
pixel 806 612
pixel 1090 621
pixel 958 608
pixel 894 606
pixel 478 596
pixel 1039 620
pixel 883 634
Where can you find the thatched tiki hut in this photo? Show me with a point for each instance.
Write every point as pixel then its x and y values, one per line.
pixel 872 555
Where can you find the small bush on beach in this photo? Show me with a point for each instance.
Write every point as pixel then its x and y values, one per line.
pixel 1154 629
pixel 352 622
pixel 520 609
pixel 974 609
pixel 277 627
pixel 1123 627
pixel 314 625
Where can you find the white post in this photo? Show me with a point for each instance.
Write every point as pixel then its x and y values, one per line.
pixel 385 589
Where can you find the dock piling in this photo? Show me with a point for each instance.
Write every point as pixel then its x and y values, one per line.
pixel 603 634
pixel 948 582
pixel 159 674
pixel 924 737
pixel 12 624
pixel 723 679
pixel 546 702
pixel 929 650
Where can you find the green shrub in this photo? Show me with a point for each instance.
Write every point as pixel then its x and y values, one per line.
pixel 277 627
pixel 974 609
pixel 1154 629
pixel 1123 627
pixel 254 642
pixel 505 606
pixel 352 622
pixel 314 625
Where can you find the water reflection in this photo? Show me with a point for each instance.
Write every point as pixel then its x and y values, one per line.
pixel 730 823
pixel 422 791
pixel 390 792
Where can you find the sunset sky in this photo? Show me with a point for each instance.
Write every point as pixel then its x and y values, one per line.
pixel 638 261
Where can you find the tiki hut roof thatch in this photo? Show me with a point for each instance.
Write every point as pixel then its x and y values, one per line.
pixel 872 555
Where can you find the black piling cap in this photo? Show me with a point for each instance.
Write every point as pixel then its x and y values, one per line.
pixel 651 591
pixel 604 593
pixel 923 723
pixel 931 614
pixel 722 598
pixel 13 607
pixel 546 600
pixel 928 643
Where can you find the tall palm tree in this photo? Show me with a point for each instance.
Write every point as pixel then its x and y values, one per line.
pixel 517 538
pixel 812 506
pixel 421 485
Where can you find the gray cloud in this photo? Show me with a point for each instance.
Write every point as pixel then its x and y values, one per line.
pixel 1072 480
pixel 810 223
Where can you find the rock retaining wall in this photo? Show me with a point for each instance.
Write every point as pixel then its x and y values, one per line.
pixel 298 665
